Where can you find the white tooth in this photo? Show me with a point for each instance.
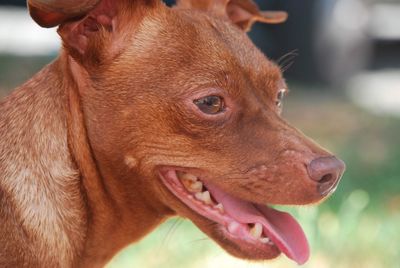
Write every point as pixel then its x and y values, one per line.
pixel 205 197
pixel 196 187
pixel 220 208
pixel 187 176
pixel 265 240
pixel 233 227
pixel 256 231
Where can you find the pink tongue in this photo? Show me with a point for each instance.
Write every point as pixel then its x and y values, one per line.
pixel 280 227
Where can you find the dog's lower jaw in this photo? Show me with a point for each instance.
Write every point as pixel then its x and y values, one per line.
pixel 243 228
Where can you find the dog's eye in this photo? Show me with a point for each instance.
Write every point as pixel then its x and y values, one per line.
pixel 210 104
pixel 279 97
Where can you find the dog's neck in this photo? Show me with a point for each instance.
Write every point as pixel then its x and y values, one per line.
pixel 79 215
pixel 117 216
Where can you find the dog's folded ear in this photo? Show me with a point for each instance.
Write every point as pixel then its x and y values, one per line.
pixel 243 13
pixel 88 26
pixel 50 13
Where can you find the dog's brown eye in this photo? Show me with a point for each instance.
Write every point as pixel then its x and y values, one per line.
pixel 279 98
pixel 210 104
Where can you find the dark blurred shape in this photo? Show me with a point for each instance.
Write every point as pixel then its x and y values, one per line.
pixel 326 52
pixel 333 39
pixel 13 2
pixel 386 55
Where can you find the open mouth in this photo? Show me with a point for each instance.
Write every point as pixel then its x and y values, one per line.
pixel 254 225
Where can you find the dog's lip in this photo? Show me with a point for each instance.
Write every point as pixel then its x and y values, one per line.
pixel 291 242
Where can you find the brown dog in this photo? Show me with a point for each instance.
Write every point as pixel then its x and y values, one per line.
pixel 150 112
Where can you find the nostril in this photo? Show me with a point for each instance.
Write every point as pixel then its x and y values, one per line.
pixel 326 178
pixel 326 171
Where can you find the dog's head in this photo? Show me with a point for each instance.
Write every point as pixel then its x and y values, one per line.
pixel 179 104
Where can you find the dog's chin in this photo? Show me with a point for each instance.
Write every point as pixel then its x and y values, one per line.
pixel 244 229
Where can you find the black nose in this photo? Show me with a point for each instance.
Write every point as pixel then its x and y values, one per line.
pixel 327 171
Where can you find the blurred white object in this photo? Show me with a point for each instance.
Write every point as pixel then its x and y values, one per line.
pixel 20 35
pixel 346 31
pixel 378 92
pixel 385 21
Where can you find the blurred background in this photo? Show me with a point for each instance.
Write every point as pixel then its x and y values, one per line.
pixel 342 63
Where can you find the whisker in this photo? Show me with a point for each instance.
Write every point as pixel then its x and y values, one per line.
pixel 291 54
pixel 199 240
pixel 287 60
pixel 284 69
pixel 170 232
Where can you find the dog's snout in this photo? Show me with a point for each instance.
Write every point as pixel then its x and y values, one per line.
pixel 327 171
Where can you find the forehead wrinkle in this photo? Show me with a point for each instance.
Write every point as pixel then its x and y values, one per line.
pixel 256 69
pixel 240 53
pixel 207 46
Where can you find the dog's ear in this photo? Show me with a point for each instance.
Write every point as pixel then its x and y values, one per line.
pixel 243 13
pixel 87 26
pixel 54 12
